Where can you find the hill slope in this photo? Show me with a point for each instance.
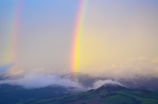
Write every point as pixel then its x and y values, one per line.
pixel 109 94
pixel 12 94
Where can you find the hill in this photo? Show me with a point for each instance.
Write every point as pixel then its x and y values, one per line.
pixel 107 94
pixel 53 94
pixel 10 94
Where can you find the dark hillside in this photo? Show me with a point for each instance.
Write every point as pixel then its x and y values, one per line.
pixel 107 94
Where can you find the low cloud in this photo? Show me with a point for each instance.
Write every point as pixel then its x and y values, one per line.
pixel 100 83
pixel 38 80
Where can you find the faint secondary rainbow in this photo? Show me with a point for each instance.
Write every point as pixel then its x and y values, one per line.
pixel 77 35
pixel 13 31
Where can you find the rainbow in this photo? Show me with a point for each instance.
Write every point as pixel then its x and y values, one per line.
pixel 77 36
pixel 11 54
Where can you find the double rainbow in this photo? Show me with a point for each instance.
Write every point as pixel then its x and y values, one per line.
pixel 14 29
pixel 77 36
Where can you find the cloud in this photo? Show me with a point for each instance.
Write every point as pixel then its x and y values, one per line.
pixel 38 80
pixel 4 68
pixel 100 83
pixel 130 68
pixel 155 61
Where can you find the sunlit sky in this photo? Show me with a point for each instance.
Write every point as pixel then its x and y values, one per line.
pixel 119 37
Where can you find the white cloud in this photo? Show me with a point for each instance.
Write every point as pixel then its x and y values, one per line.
pixel 37 80
pixel 100 83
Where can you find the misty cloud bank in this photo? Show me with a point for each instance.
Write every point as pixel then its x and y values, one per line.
pixel 127 69
pixel 38 80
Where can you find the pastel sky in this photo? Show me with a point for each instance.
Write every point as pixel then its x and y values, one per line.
pixel 120 37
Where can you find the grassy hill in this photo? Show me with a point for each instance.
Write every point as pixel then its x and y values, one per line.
pixel 110 94
pixel 13 94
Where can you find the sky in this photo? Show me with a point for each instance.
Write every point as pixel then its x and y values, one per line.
pixel 119 37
